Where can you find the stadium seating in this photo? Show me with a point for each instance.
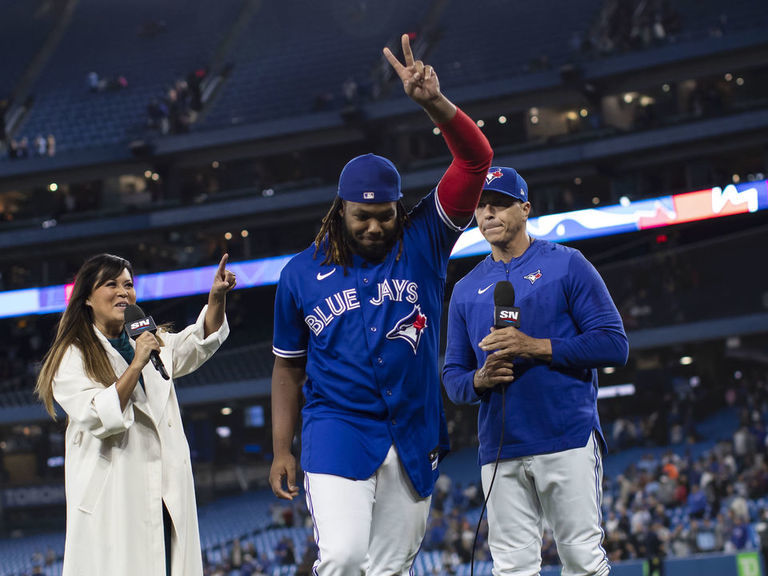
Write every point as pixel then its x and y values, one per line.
pixel 508 38
pixel 104 37
pixel 340 40
pixel 23 29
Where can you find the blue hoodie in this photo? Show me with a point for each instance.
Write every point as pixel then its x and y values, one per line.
pixel 550 407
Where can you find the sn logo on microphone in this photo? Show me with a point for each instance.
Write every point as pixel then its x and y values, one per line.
pixel 143 323
pixel 509 315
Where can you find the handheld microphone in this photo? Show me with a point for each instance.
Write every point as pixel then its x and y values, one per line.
pixel 136 323
pixel 504 311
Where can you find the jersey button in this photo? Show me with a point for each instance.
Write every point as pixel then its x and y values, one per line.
pixel 389 392
pixel 365 280
pixel 373 328
pixel 380 360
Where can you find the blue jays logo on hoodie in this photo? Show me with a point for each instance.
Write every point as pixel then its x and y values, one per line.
pixel 410 328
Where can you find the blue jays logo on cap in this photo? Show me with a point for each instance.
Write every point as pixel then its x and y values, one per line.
pixel 410 328
pixel 370 179
pixel 507 181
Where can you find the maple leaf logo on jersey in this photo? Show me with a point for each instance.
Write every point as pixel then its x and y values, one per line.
pixel 533 276
pixel 491 176
pixel 410 328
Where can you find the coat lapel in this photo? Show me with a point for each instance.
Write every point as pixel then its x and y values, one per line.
pixel 158 388
pixel 119 365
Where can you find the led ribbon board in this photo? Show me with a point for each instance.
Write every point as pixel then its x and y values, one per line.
pixel 565 227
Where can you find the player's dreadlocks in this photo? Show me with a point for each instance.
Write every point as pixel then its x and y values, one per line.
pixel 331 235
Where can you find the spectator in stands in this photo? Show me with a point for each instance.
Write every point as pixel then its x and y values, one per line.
pixel 128 474
pixel 13 149
pixel 697 502
pixel 23 148
pixel 40 146
pixel 51 145
pixel 157 116
pixel 739 535
pixel 92 79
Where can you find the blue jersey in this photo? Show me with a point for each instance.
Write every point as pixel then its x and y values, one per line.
pixel 371 339
pixel 550 407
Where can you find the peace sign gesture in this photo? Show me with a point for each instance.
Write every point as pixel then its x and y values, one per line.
pixel 420 83
pixel 224 280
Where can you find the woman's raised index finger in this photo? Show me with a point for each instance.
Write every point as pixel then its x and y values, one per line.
pixel 407 53
pixel 222 265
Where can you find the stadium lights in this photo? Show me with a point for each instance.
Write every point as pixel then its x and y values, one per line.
pixel 615 391
pixel 215 164
pixel 728 77
pixel 480 123
pixel 244 233
pixel 583 112
pixel 686 360
pixel 740 81
pixel 53 186
pixel 665 87
pixel 595 200
pixel 609 370
pixel 436 131
pixel 577 181
pixel 624 201
pixel 228 236
pixel 502 119
pixel 598 221
pixel 226 411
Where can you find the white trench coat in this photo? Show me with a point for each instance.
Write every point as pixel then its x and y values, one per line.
pixel 121 466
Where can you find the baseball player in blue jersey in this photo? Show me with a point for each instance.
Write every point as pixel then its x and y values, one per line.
pixel 357 323
pixel 538 382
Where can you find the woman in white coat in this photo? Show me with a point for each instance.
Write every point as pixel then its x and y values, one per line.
pixel 130 496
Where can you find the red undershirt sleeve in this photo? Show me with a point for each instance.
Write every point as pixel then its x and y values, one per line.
pixel 459 189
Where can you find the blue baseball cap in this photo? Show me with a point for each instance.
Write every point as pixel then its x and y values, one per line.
pixel 370 179
pixel 507 181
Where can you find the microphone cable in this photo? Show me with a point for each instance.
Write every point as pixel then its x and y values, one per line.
pixel 493 478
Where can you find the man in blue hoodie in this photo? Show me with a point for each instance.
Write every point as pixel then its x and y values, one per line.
pixel 536 385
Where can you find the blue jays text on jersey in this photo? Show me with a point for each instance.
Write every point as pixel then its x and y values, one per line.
pixel 337 304
pixel 371 336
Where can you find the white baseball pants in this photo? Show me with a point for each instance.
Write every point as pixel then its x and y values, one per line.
pixel 373 527
pixel 563 487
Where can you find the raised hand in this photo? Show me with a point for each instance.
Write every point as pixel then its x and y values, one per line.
pixel 419 81
pixel 224 280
